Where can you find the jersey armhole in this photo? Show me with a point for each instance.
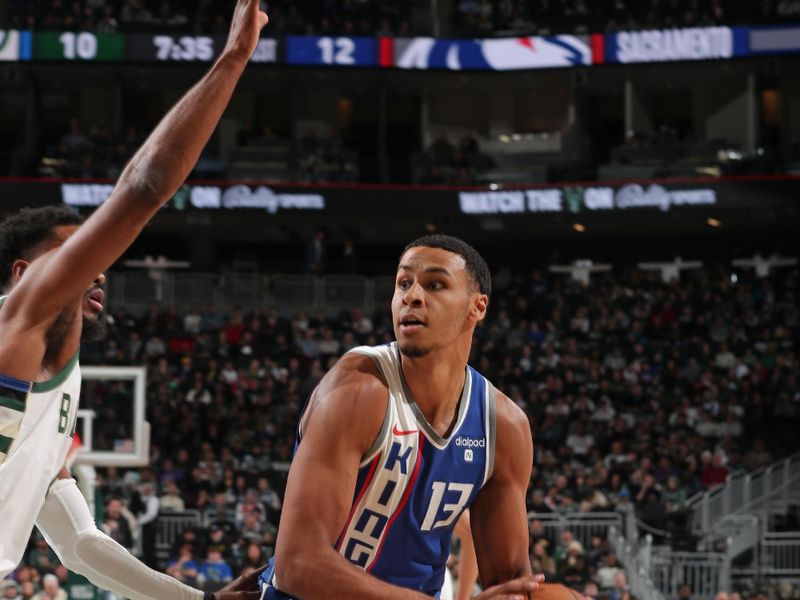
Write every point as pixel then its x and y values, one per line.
pixel 491 430
pixel 387 417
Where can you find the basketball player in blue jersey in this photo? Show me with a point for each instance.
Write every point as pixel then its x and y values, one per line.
pixel 52 278
pixel 397 441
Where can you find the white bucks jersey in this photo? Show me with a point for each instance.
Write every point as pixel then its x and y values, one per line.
pixel 37 421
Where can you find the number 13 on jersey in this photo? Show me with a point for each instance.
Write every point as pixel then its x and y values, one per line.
pixel 448 500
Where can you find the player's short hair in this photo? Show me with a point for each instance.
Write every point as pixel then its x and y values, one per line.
pixel 477 268
pixel 26 229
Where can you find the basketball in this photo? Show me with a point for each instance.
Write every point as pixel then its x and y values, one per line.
pixel 555 591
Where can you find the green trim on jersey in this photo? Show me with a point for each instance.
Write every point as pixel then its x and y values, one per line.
pixel 39 387
pixel 5 444
pixel 12 403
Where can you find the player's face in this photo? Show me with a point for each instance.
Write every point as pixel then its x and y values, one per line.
pixel 92 301
pixel 435 301
pixel 95 295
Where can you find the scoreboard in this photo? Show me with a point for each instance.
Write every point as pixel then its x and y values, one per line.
pixel 491 54
pixel 85 46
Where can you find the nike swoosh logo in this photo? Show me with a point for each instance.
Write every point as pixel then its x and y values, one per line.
pixel 396 431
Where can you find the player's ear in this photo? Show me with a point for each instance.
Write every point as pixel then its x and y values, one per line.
pixel 479 307
pixel 18 268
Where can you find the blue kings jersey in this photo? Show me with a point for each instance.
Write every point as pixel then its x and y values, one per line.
pixel 413 484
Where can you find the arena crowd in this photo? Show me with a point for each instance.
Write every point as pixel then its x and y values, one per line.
pixel 640 394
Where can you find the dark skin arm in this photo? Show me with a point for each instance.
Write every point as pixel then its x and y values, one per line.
pixel 58 279
pixel 352 399
pixel 467 562
pixel 499 516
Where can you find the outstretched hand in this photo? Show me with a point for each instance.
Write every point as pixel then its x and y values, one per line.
pixel 516 589
pixel 243 588
pixel 246 25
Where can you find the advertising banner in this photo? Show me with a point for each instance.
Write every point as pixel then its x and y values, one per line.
pixel 658 198
pixel 503 54
pixel 585 199
pixel 669 45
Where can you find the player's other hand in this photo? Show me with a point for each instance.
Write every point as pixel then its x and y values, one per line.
pixel 243 588
pixel 516 589
pixel 248 21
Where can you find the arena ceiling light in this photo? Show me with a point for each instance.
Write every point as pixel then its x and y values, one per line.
pixel 714 222
pixel 579 227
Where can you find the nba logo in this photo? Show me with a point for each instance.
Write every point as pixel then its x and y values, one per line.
pixel 468 455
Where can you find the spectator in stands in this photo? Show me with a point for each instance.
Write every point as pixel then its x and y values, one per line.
pixel 268 496
pixel 349 258
pixel 26 576
pixel 685 592
pixel 674 495
pixel 714 472
pixel 43 558
pixel 116 525
pixel 620 590
pixel 316 251
pixel 214 573
pixel 51 588
pixel 608 571
pixel 27 590
pixel 220 539
pixel 171 501
pixel 254 557
pixel 537 503
pixel 580 441
pixel 590 590
pixel 562 550
pixel 594 553
pixel 541 561
pixel 147 521
pixel 250 505
pixel 184 568
pixel 252 527
pixel 573 571
pixel 11 590
pixel 199 394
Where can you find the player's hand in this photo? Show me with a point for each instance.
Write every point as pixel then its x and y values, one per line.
pixel 243 588
pixel 248 21
pixel 516 589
